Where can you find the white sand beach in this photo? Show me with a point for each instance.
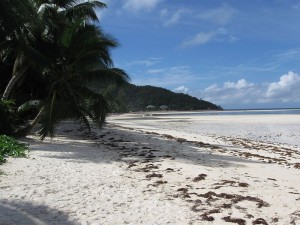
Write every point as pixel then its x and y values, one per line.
pixel 159 170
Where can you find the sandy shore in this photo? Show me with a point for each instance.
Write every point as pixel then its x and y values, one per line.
pixel 156 171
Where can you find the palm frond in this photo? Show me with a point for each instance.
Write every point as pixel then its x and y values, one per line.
pixel 15 16
pixel 97 106
pixel 84 10
pixel 49 117
pixel 88 45
pixel 36 58
pixel 106 76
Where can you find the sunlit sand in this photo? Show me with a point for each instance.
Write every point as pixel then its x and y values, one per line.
pixel 158 170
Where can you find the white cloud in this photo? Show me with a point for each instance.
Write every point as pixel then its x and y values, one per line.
pixel 220 16
pixel 138 5
pixel 290 54
pixel 221 35
pixel 212 88
pixel 232 38
pixel 230 92
pixel 164 12
pixel 286 90
pixel 199 39
pixel 168 76
pixel 155 71
pixel 238 85
pixel 174 18
pixel 146 62
pixel 222 31
pixel 296 6
pixel 181 89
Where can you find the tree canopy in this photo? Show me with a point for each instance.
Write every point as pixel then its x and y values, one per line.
pixel 52 52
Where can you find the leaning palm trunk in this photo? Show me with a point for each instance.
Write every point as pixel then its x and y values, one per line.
pixel 29 127
pixel 18 70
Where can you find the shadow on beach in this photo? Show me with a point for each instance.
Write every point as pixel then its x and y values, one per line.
pixel 113 144
pixel 27 213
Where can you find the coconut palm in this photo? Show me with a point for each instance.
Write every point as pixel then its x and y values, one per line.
pixel 22 21
pixel 71 55
pixel 17 24
pixel 82 61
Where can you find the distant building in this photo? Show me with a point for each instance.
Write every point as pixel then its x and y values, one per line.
pixel 151 107
pixel 163 107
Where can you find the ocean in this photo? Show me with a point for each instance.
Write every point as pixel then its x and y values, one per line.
pixel 268 125
pixel 233 112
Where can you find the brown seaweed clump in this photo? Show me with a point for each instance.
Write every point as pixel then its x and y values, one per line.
pixel 200 177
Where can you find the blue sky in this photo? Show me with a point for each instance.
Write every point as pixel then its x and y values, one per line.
pixel 235 53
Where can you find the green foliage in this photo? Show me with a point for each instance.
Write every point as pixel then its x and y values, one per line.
pixel 11 147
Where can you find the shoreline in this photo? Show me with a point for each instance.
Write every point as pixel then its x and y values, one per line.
pixel 275 128
pixel 213 111
pixel 143 175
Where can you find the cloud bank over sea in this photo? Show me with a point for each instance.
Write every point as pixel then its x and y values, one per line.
pixel 285 90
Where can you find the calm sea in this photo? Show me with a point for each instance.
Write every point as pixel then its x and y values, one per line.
pixel 234 112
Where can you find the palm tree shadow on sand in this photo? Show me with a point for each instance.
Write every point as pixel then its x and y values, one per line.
pixel 114 144
pixel 27 213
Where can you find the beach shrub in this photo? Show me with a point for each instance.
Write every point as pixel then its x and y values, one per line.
pixel 11 147
pixel 8 117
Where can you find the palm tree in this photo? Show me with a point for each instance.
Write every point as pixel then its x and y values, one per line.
pixel 21 21
pixel 16 20
pixel 69 53
pixel 82 60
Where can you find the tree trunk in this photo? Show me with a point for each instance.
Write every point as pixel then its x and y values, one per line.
pixel 26 130
pixel 18 70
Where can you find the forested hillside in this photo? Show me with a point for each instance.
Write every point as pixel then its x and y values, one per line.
pixel 136 98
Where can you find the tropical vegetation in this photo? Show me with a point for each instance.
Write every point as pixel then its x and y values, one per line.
pixel 11 147
pixel 53 60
